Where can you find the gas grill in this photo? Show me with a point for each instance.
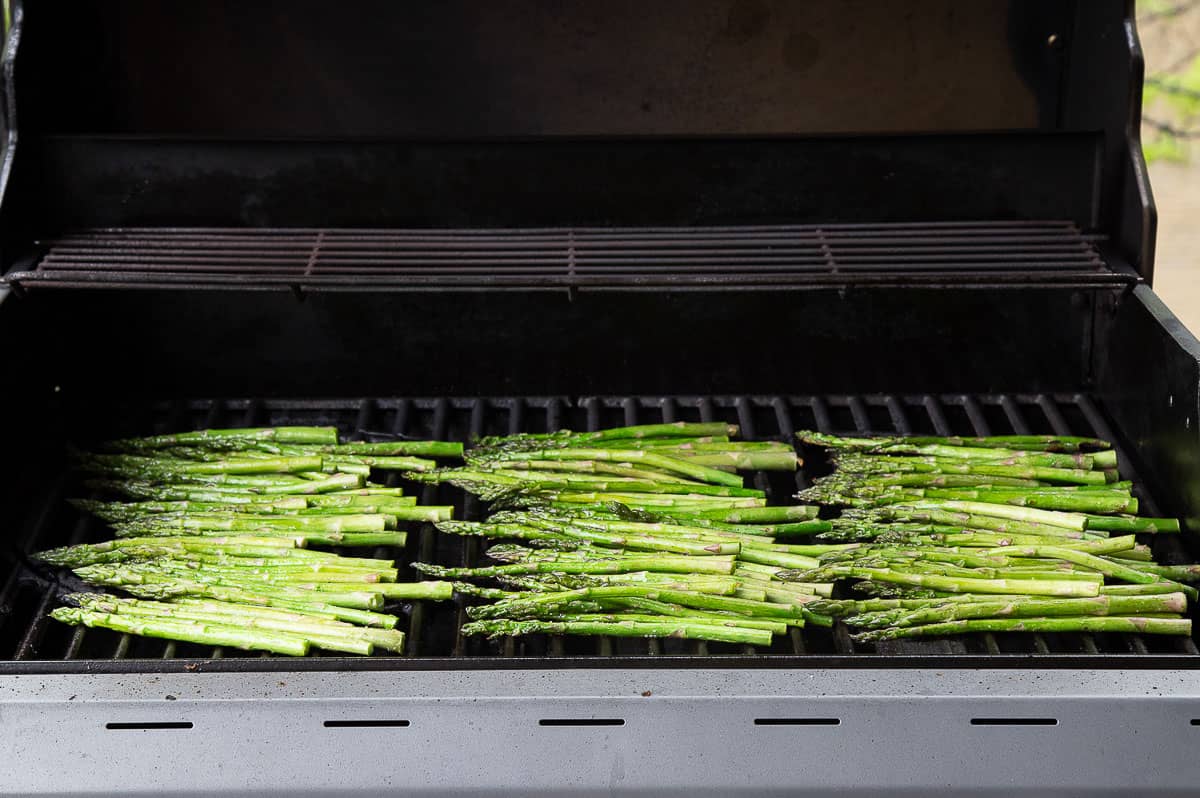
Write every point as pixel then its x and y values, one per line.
pixel 477 219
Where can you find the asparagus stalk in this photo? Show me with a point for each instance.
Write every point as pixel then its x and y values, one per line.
pixel 672 564
pixel 210 634
pixel 715 444
pixel 1108 623
pixel 694 583
pixel 444 449
pixel 742 460
pixel 1047 443
pixel 1174 573
pixel 619 470
pixel 682 628
pixel 1103 566
pixel 846 481
pixel 951 584
pixel 983 453
pixel 1074 521
pixel 936 515
pixel 670 464
pixel 1094 502
pixel 473 480
pixel 1132 524
pixel 703 601
pixel 236 438
pixel 297 537
pixel 690 502
pixel 155 583
pixel 158 467
pixel 1149 589
pixel 1027 468
pixel 762 515
pixel 322 632
pixel 251 522
pixel 1022 607
pixel 773 627
pixel 341 461
pixel 678 429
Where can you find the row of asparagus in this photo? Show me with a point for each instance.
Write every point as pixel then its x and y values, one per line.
pixel 643 531
pixel 212 534
pixel 1013 533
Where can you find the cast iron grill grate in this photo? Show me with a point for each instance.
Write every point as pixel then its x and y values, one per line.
pixel 27 593
pixel 558 258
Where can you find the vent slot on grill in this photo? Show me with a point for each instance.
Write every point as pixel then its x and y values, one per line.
pixel 559 258
pixel 148 726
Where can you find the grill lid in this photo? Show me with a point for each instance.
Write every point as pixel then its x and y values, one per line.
pixel 1028 72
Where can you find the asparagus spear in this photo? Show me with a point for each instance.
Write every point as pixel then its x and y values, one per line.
pixel 703 601
pixel 742 460
pixel 599 468
pixel 669 464
pixel 446 449
pixel 210 634
pixel 322 632
pixel 154 583
pixel 342 460
pixel 761 515
pixel 230 438
pixel 1132 524
pixel 934 514
pixel 678 429
pixel 1028 468
pixel 1131 625
pixel 772 627
pixel 1022 607
pixel 949 584
pixel 1071 500
pixel 133 465
pixel 682 628
pixel 673 564
pixel 1048 443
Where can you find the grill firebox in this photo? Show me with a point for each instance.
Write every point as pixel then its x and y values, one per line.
pixel 28 637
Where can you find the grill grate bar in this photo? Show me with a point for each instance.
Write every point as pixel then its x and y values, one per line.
pixel 554 258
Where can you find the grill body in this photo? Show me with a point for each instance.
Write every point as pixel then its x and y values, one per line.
pixel 737 222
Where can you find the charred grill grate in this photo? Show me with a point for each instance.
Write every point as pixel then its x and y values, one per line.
pixel 555 259
pixel 27 593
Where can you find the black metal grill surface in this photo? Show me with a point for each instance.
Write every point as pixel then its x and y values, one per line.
pixel 557 258
pixel 28 592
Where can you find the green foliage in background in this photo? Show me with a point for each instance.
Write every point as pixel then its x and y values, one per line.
pixel 1171 99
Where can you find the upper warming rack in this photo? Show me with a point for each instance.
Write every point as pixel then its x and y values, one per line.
pixel 568 258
